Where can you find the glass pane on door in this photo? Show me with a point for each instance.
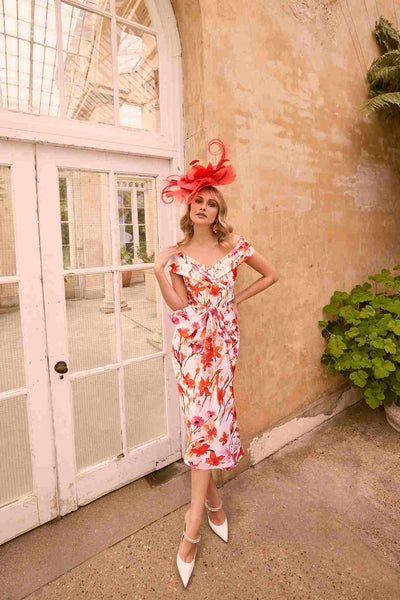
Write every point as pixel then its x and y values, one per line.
pixel 86 243
pixel 138 227
pixel 141 311
pixel 12 372
pixel 90 311
pixel 7 255
pixel 96 418
pixel 84 216
pixel 145 401
pixel 90 320
pixel 15 455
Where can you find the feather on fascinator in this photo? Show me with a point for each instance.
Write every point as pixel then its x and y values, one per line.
pixel 185 188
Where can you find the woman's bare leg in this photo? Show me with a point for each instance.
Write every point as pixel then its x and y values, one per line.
pixel 194 515
pixel 213 500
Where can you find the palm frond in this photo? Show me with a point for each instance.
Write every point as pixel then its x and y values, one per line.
pixel 389 59
pixel 387 37
pixel 389 74
pixel 382 101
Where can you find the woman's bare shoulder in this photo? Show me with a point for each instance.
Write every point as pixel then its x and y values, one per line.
pixel 232 240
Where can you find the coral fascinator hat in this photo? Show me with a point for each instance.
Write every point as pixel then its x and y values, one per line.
pixel 186 187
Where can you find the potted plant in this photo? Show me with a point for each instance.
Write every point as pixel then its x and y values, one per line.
pixel 142 253
pixel 126 259
pixel 363 341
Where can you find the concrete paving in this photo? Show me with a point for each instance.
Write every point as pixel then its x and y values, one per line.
pixel 319 519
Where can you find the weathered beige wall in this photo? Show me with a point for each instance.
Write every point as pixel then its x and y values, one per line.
pixel 317 188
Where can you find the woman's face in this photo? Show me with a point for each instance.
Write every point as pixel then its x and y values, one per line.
pixel 204 208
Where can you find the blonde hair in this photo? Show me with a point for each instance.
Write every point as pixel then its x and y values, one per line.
pixel 224 228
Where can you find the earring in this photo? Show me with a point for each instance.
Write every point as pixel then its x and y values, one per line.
pixel 215 228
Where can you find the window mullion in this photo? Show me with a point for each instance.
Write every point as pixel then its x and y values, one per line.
pixel 114 53
pixel 135 224
pixel 60 62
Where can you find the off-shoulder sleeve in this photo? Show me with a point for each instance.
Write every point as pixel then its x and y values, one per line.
pixel 173 264
pixel 177 264
pixel 243 251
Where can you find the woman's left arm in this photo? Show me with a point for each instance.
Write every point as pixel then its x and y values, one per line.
pixel 269 276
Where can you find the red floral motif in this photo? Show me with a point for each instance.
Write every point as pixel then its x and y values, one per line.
pixel 214 460
pixel 224 438
pixel 187 380
pixel 204 386
pixel 217 351
pixel 197 421
pixel 196 347
pixel 207 356
pixel 180 357
pixel 200 449
pixel 215 289
pixel 220 395
pixel 211 432
pixel 197 289
pixel 185 332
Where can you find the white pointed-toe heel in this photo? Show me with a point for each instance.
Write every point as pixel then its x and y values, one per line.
pixel 220 530
pixel 186 568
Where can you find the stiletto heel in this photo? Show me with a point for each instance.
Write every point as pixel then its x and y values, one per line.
pixel 220 530
pixel 186 568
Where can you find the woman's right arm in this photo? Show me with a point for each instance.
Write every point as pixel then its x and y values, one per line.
pixel 175 295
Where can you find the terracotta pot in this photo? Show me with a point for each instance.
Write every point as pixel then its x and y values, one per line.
pixel 126 278
pixel 393 415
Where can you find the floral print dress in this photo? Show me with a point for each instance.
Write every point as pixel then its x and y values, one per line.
pixel 205 347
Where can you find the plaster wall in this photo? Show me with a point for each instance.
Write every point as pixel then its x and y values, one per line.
pixel 317 181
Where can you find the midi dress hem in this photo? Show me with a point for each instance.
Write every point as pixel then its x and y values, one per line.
pixel 201 466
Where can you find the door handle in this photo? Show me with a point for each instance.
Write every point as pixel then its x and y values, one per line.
pixel 61 367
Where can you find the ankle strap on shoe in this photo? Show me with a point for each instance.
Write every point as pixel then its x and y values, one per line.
pixel 211 508
pixel 190 539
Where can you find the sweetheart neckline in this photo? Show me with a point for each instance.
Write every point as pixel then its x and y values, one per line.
pixel 218 261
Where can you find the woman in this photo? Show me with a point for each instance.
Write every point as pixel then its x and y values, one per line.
pixel 203 267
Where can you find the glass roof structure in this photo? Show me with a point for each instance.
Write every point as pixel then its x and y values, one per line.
pixel 80 60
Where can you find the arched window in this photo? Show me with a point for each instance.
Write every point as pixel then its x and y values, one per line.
pixel 92 61
pixel 107 63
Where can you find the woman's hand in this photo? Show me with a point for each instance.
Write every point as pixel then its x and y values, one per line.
pixel 164 256
pixel 236 309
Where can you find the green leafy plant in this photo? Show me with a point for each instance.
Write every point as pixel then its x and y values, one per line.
pixel 384 73
pixel 363 341
pixel 143 254
pixel 126 256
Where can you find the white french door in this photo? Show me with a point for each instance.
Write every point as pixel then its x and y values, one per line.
pixel 98 404
pixel 112 420
pixel 28 485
